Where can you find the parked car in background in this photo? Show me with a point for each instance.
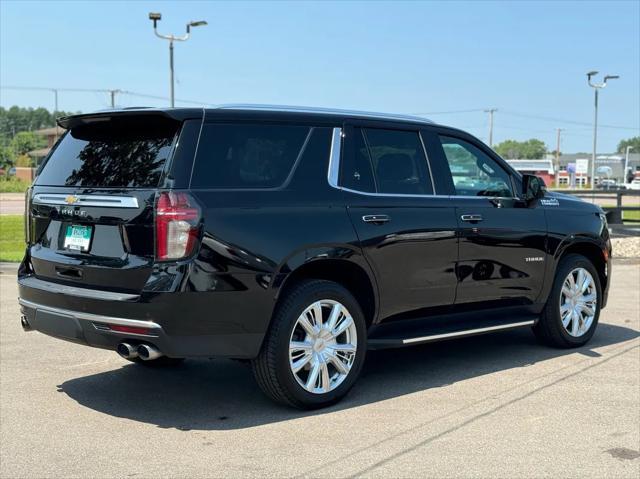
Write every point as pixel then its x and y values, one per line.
pixel 610 185
pixel 298 239
pixel 634 185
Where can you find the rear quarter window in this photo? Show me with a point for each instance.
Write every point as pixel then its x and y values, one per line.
pixel 240 156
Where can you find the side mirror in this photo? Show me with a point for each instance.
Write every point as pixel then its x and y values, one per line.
pixel 533 187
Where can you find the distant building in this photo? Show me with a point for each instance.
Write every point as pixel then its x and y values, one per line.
pixel 51 135
pixel 542 168
pixel 607 167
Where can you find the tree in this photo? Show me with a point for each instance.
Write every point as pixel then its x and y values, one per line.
pixel 7 158
pixel 17 119
pixel 634 143
pixel 530 150
pixel 24 142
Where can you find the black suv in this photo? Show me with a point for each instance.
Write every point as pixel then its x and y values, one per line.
pixel 297 239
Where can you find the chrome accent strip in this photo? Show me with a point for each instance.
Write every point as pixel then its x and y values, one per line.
pixel 334 157
pixel 426 157
pixel 136 323
pixel 467 332
pixel 325 111
pixel 85 200
pixel 31 282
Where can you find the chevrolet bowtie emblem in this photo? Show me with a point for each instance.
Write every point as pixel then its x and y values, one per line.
pixel 71 199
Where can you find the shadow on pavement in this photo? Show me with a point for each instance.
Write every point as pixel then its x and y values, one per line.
pixel 221 394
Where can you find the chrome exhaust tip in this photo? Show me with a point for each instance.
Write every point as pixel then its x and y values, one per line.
pixel 148 352
pixel 127 351
pixel 25 324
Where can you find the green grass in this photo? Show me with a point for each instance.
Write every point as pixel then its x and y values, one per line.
pixel 631 215
pixel 13 185
pixel 11 238
pixel 626 215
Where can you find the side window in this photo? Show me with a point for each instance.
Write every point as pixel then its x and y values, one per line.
pixel 474 172
pixel 246 155
pixel 357 173
pixel 399 162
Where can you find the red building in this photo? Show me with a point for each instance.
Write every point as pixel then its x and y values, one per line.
pixel 542 168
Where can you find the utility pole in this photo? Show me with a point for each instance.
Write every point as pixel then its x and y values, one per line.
pixel 491 111
pixel 55 100
pixel 113 97
pixel 558 130
pixel 155 18
pixel 596 87
pixel 55 110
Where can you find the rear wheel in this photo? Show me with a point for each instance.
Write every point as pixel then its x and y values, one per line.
pixel 315 347
pixel 571 314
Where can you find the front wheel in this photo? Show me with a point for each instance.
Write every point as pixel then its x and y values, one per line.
pixel 571 314
pixel 315 347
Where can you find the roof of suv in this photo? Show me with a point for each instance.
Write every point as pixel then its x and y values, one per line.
pixel 185 113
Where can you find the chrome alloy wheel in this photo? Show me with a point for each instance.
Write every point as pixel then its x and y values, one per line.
pixel 323 346
pixel 578 300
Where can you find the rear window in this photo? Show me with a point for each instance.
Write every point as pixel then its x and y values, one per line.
pixel 238 156
pixel 124 153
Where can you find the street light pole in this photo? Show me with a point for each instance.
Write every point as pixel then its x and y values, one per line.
pixel 155 18
pixel 596 87
pixel 557 169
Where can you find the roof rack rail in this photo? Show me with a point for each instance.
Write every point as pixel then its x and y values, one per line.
pixel 321 111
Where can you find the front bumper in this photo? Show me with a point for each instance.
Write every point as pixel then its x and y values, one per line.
pixel 105 321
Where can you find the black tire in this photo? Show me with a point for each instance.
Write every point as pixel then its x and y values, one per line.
pixel 272 366
pixel 549 329
pixel 161 362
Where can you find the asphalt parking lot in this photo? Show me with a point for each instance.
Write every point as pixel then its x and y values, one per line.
pixel 490 406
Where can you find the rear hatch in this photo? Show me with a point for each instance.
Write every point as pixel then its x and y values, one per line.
pixel 90 213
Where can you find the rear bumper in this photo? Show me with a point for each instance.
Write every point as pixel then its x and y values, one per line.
pixel 104 323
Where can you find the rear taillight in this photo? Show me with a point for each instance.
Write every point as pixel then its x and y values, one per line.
pixel 177 225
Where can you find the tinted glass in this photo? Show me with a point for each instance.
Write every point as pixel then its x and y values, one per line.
pixel 356 168
pixel 399 162
pixel 128 153
pixel 246 156
pixel 474 172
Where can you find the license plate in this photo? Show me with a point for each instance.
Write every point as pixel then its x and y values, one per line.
pixel 77 237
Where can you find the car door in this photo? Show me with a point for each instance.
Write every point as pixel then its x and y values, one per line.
pixel 502 248
pixel 407 233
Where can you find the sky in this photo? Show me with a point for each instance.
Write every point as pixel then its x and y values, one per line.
pixel 448 61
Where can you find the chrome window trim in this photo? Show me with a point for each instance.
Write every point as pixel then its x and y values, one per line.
pixel 426 157
pixel 334 157
pixel 136 323
pixel 333 172
pixel 106 201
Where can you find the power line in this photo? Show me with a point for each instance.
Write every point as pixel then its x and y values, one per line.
pixel 159 97
pixel 548 118
pixel 114 92
pixel 451 112
pixel 111 92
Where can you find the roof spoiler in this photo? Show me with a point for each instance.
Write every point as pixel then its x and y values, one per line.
pixel 69 122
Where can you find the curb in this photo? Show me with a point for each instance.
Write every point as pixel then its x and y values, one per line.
pixel 9 268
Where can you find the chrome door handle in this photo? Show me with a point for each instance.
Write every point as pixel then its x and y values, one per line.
pixel 376 219
pixel 471 218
